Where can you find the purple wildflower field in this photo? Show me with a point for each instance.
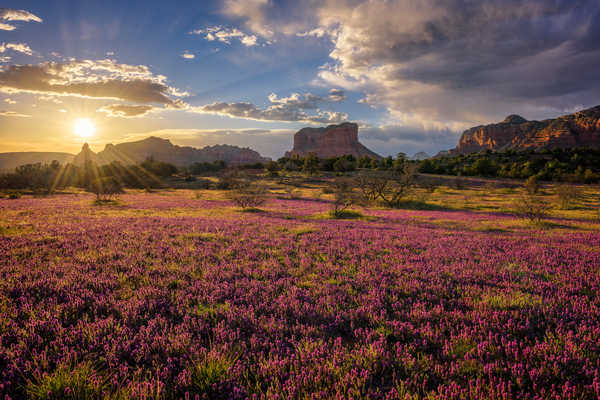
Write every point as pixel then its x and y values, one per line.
pixel 168 297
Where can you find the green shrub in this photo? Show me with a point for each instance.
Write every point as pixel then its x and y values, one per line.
pixel 69 383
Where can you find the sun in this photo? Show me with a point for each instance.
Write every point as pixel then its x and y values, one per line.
pixel 84 127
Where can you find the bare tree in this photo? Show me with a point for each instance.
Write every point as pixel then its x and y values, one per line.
pixel 248 196
pixel 343 196
pixel 532 208
pixel 390 186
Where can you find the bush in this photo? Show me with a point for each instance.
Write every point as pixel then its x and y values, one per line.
pixel 343 197
pixel 249 196
pixel 531 208
pixel 232 179
pixel 106 189
pixel 66 382
pixel 14 195
pixel 568 195
pixel 531 185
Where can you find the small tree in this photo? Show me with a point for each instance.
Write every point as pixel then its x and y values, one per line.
pixel 531 185
pixel 106 189
pixel 272 168
pixel 248 196
pixel 532 208
pixel 343 197
pixel 311 164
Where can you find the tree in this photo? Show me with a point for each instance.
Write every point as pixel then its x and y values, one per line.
pixel 343 197
pixel 105 188
pixel 311 164
pixel 532 208
pixel 248 196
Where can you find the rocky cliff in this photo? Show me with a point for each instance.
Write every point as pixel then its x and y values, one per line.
pixel 580 129
pixel 164 150
pixel 332 141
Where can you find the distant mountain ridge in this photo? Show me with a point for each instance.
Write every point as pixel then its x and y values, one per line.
pixel 10 161
pixel 580 129
pixel 330 141
pixel 163 150
pixel 135 152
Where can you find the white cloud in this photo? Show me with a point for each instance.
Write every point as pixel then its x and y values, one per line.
pixel 18 47
pixel 295 108
pixel 447 64
pixel 4 113
pixel 188 56
pixel 7 27
pixel 9 14
pixel 225 35
pixel 104 79
pixel 10 101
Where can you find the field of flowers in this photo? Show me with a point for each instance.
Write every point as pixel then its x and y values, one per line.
pixel 164 296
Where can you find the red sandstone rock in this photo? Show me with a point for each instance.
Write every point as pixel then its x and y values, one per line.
pixel 332 141
pixel 581 129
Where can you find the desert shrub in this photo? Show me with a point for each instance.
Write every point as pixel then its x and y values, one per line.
pixel 291 193
pixel 532 208
pixel 531 185
pixel 343 197
pixel 210 371
pixel 232 179
pixel 69 383
pixel 389 187
pixel 106 189
pixel 568 195
pixel 311 164
pixel 248 196
pixel 272 168
pixel 14 195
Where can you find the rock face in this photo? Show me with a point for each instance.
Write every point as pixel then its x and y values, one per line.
pixel 164 150
pixel 580 129
pixel 332 141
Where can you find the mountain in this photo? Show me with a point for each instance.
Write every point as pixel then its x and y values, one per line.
pixel 164 150
pixel 10 161
pixel 331 141
pixel 420 156
pixel 580 129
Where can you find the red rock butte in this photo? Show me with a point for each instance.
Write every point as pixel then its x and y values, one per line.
pixel 580 129
pixel 330 141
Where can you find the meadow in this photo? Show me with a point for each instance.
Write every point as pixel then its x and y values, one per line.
pixel 179 294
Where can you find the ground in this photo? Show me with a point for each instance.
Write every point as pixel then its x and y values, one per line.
pixel 177 293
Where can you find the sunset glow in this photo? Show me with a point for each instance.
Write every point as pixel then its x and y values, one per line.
pixel 84 128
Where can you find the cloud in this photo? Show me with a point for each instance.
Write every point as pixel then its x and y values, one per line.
pixel 225 35
pixel 188 56
pixel 449 64
pixel 103 79
pixel 4 113
pixel 126 110
pixel 9 14
pixel 289 109
pixel 18 47
pixel 10 101
pixel 336 95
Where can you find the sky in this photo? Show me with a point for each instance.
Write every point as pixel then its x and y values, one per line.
pixel 412 73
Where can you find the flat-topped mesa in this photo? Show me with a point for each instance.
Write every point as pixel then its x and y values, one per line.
pixel 330 141
pixel 580 129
